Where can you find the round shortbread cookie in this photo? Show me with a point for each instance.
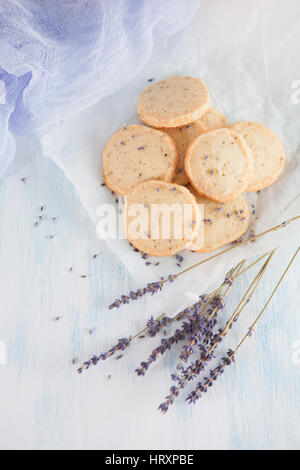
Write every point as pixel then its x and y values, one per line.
pixel 184 135
pixel 268 153
pixel 160 219
pixel 173 102
pixel 223 223
pixel 135 154
pixel 212 119
pixel 218 164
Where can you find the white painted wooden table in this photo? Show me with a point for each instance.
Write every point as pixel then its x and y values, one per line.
pixel 46 405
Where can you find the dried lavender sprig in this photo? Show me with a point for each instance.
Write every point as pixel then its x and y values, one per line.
pixel 202 387
pixel 122 344
pixel 215 373
pixel 206 332
pixel 192 313
pixel 200 326
pixel 192 371
pixel 202 335
pixel 152 328
pixel 151 288
pixel 155 287
pixel 207 353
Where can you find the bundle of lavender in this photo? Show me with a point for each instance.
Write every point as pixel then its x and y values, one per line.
pixel 200 330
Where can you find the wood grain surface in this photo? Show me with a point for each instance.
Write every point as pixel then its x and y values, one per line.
pixel 51 315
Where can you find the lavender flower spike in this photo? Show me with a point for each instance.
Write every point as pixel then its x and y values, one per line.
pixel 188 327
pixel 151 288
pixel 203 386
pixel 122 344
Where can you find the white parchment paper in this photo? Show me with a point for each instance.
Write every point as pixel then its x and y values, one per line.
pixel 247 53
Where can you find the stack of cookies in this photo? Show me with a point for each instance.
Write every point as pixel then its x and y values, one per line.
pixel 187 155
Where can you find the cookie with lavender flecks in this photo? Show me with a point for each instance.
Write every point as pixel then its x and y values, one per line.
pixel 184 135
pixel 212 119
pixel 173 102
pixel 268 153
pixel 219 164
pixel 136 154
pixel 223 223
pixel 160 219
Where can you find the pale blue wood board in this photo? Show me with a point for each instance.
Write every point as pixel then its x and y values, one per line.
pixel 45 405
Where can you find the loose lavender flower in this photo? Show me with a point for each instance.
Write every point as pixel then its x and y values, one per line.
pixel 179 258
pixel 207 382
